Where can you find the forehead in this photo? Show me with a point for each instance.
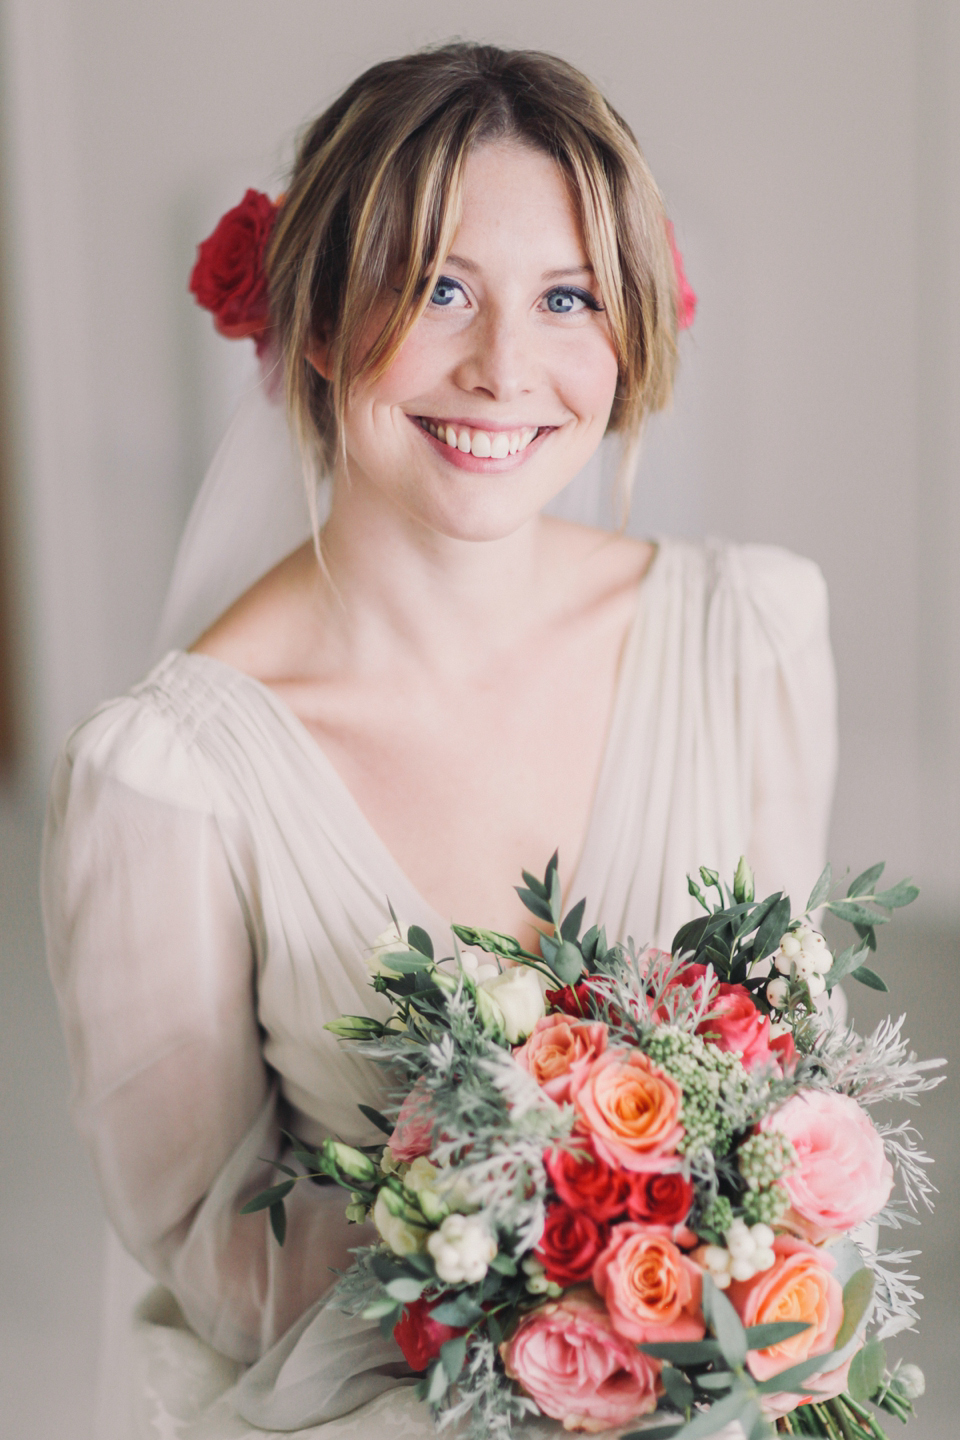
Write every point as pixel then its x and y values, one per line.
pixel 516 198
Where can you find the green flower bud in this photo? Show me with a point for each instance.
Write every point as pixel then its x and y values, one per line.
pixel 355 1027
pixel 490 940
pixel 349 1161
pixel 743 887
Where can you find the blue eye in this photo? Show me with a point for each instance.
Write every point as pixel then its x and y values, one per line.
pixel 445 291
pixel 569 301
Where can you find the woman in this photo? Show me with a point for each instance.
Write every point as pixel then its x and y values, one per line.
pixel 470 284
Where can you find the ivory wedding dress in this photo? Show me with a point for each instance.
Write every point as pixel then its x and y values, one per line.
pixel 210 887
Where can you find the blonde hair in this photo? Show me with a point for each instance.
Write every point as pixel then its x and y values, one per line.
pixel 374 203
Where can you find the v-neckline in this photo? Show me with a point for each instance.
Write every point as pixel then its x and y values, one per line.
pixel 324 767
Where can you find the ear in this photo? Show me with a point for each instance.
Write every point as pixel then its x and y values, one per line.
pixel 320 358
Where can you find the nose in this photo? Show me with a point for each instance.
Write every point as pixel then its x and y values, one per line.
pixel 499 361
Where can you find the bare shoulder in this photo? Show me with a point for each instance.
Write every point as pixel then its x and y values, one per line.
pixel 267 633
pixel 600 569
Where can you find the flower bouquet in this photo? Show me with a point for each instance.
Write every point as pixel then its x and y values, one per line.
pixel 628 1189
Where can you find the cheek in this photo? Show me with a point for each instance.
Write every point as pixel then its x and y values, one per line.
pixel 585 376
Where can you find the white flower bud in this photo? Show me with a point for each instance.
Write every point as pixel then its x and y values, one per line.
pixel 721 1279
pixel 762 1260
pixel 790 945
pixel 403 1238
pixel 910 1381
pixel 762 1235
pixel 537 1284
pixel 462 1249
pixel 715 1258
pixel 530 1265
pixel 777 992
pixel 780 1027
pixel 816 985
pixel 742 1270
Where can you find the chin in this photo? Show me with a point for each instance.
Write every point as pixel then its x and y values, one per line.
pixel 479 518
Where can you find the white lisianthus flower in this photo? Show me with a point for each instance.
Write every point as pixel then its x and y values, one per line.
pixel 388 942
pixel 462 1249
pixel 427 1183
pixel 477 967
pixel 402 1237
pixel 519 996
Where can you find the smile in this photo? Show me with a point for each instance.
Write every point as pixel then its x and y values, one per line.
pixel 483 444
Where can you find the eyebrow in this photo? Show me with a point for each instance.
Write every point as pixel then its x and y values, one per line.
pixel 560 274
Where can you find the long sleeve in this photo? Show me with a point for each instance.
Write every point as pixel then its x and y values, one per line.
pixel 152 942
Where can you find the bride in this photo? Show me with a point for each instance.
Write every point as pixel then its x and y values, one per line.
pixel 470 284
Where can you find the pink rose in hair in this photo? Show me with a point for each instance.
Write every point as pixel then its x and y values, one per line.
pixel 571 1361
pixel 557 1048
pixel 631 1108
pixel 843 1175
pixel 651 1290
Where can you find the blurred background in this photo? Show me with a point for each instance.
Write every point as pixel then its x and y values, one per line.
pixel 809 152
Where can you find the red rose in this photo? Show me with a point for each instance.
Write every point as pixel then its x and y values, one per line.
pixel 419 1336
pixel 569 1245
pixel 570 1001
pixel 686 296
pixel 737 1025
pixel 660 1199
pixel 229 277
pixel 785 1051
pixel 585 1182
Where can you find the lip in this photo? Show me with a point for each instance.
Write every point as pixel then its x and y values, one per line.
pixel 474 464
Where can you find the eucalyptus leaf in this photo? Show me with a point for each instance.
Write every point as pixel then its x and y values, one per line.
pixel 870 978
pixel 857 1295
pixel 420 940
pixel 548 948
pixel 708 1424
pixel 567 962
pixel 845 963
pixel 375 1118
pixel 505 1264
pixel 570 929
pixel 436 1383
pixel 759 1337
pixel 755 915
pixel 284 1168
pixel 719 1380
pixel 866 1371
pixel 682 1352
pixel 863 885
pixel 821 890
pixel 269 1197
pixel 556 896
pixel 677 1387
pixel 725 1323
pixel 461 1310
pixel 534 903
pixel 537 886
pixel 278 1221
pixel 406 1289
pixel 378 1308
pixel 760 1428
pixel 855 913
pixel 792 1380
pixel 453 1353
pixel 689 936
pixel 769 932
pixel 903 893
pixel 406 962
pixel 655 1432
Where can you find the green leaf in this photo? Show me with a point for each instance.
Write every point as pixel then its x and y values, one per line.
pixel 760 1428
pixel 420 940
pixel 863 885
pixel 537 886
pixel 375 1118
pixel 570 928
pixel 903 893
pixel 494 1331
pixel 677 1387
pixel 266 1198
pixel 690 936
pixel 405 962
pixel 534 904
pixel 567 962
pixel 556 895
pixel 821 890
pixel 754 915
pixel 856 914
pixel 682 1352
pixel 768 935
pixel 453 1353
pixel 504 1264
pixel 845 963
pixel 719 1380
pixel 857 1295
pixel 406 1289
pixel 709 1422
pixel 378 1308
pixel 389 1321
pixel 792 1380
pixel 657 1432
pixel 548 948
pixel 436 1383
pixel 870 978
pixel 866 1371
pixel 461 1310
pixel 725 1324
pixel 759 1337
pixel 278 1221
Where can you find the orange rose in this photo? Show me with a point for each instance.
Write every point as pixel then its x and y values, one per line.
pixel 651 1290
pixel 798 1286
pixel 631 1108
pixel 557 1047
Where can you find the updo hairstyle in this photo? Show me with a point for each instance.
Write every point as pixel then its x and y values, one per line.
pixel 374 203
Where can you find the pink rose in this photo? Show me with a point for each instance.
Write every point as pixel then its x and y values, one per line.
pixel 557 1048
pixel 843 1175
pixel 631 1108
pixel 798 1286
pixel 820 1387
pixel 571 1361
pixel 413 1132
pixel 651 1289
pixel 736 1025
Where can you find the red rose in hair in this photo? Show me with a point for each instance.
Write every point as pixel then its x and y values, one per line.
pixel 686 296
pixel 569 1245
pixel 570 1001
pixel 419 1336
pixel 585 1182
pixel 229 277
pixel 660 1199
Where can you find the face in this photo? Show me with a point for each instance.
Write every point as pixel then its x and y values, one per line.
pixel 502 389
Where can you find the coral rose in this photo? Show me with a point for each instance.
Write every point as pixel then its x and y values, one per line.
pixel 584 1181
pixel 557 1048
pixel 631 1108
pixel 420 1336
pixel 229 277
pixel 571 1361
pixel 651 1290
pixel 843 1175
pixel 736 1025
pixel 570 1243
pixel 413 1132
pixel 798 1286
pixel 660 1199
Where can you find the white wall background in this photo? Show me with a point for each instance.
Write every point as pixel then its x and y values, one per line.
pixel 810 153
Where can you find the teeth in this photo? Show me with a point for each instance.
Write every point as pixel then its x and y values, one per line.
pixel 484 444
